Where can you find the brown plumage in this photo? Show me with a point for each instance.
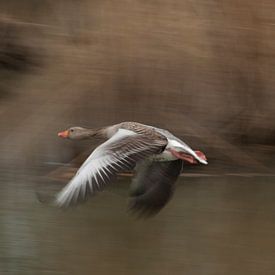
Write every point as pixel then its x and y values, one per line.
pixel 156 154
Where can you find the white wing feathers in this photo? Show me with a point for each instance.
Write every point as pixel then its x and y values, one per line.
pixel 119 153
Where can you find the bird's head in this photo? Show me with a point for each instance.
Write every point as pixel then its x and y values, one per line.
pixel 75 133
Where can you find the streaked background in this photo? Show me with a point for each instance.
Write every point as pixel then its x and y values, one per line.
pixel 202 69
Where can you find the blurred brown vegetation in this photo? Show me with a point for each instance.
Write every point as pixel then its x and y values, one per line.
pixel 202 69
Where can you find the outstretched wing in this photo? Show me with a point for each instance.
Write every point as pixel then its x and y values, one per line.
pixel 119 153
pixel 153 186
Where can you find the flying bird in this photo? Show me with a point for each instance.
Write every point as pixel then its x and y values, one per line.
pixel 155 154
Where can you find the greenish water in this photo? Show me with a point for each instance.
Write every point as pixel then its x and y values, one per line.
pixel 213 225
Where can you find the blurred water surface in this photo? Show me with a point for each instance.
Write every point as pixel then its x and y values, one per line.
pixel 213 225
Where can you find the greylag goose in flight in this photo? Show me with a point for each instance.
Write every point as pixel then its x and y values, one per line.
pixel 156 154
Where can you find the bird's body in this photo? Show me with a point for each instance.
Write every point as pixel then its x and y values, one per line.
pixel 156 154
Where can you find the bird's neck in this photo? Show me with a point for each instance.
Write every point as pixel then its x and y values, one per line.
pixel 98 133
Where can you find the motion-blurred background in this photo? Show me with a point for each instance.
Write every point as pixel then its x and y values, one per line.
pixel 202 69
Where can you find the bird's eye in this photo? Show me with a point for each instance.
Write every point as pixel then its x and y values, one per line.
pixel 72 130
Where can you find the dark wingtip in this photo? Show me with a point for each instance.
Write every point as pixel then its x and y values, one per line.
pixel 141 211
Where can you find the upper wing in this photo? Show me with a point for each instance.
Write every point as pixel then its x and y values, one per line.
pixel 120 152
pixel 153 186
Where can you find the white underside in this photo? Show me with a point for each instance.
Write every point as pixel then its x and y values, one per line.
pixel 177 146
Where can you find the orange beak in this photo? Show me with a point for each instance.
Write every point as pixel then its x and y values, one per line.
pixel 64 134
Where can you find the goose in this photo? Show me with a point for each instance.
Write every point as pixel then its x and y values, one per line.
pixel 156 155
